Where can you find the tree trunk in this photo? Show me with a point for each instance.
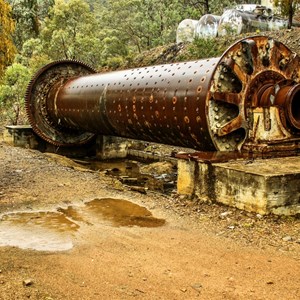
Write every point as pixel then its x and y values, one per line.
pixel 291 13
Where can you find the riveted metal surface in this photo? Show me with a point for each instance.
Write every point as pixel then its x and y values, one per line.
pixel 164 103
pixel 212 104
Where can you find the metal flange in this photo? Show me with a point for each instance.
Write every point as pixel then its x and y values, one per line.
pixel 53 75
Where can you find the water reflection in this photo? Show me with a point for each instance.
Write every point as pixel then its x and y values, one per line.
pixel 43 231
pixel 54 231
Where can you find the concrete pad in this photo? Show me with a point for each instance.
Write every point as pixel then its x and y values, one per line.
pixel 262 185
pixel 20 136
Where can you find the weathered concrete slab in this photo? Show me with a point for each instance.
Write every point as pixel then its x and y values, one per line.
pixel 263 185
pixel 20 136
pixel 24 136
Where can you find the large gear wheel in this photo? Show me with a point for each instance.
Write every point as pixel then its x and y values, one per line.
pixel 54 75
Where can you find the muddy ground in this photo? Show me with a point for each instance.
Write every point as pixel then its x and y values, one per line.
pixel 168 247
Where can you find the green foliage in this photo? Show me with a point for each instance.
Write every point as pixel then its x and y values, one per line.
pixel 205 48
pixel 144 24
pixel 29 16
pixel 70 32
pixel 7 26
pixel 12 92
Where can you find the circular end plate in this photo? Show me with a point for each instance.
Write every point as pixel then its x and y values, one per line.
pixel 35 102
pixel 244 69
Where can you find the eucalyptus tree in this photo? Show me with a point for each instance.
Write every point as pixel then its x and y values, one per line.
pixel 71 32
pixel 29 16
pixel 288 8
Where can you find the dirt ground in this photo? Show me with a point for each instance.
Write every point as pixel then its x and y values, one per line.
pixel 197 251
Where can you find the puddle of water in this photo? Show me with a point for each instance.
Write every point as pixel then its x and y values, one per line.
pixel 123 213
pixel 42 231
pixel 117 167
pixel 128 172
pixel 53 231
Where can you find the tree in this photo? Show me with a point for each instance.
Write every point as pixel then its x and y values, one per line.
pixel 288 8
pixel 144 23
pixel 7 26
pixel 12 92
pixel 71 32
pixel 29 16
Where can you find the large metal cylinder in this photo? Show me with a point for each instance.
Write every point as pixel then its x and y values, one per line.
pixel 210 104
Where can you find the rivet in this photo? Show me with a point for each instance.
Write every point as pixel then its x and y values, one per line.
pixel 186 119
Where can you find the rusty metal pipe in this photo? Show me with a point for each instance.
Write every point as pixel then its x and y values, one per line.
pixel 205 104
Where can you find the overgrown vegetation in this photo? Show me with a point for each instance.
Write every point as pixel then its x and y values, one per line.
pixel 102 33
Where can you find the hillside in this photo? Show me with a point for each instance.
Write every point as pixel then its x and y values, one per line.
pixel 203 49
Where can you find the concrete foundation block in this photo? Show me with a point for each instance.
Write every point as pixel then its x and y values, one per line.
pixel 109 147
pixel 187 177
pixel 20 136
pixel 263 186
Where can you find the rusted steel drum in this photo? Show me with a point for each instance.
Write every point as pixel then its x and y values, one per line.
pixel 206 104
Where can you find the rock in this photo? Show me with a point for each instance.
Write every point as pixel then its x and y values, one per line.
pixel 27 282
pixel 159 168
pixel 287 238
pixel 197 286
pixel 225 214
